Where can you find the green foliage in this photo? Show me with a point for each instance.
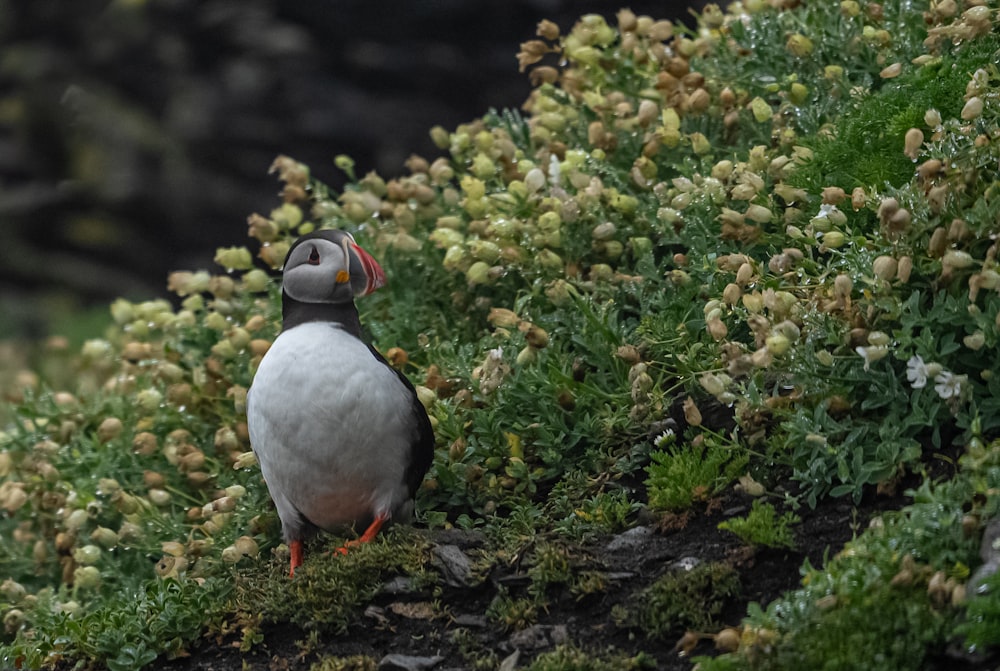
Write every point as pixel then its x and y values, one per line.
pixel 682 474
pixel 981 629
pixel 688 599
pixel 762 527
pixel 512 614
pixel 352 663
pixel 893 593
pixel 570 658
pixel 126 632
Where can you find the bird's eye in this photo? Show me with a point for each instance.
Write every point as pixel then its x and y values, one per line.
pixel 313 257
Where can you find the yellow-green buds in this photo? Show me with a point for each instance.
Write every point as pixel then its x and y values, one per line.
pixel 234 258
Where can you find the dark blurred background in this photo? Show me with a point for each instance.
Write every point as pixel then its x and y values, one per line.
pixel 135 135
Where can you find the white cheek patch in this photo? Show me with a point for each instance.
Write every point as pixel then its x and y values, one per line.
pixel 310 282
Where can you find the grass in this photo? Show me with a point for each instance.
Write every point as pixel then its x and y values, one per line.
pixel 724 239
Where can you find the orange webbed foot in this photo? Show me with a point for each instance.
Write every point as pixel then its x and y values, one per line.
pixel 295 548
pixel 367 537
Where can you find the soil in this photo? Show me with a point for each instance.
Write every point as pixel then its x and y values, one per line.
pixel 395 624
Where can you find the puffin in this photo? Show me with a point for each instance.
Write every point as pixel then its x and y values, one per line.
pixel 341 438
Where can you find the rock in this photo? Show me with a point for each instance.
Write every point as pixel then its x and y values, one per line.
pixel 539 636
pixel 467 620
pixel 509 662
pixel 396 662
pixel 400 585
pixel 989 552
pixel 455 566
pixel 628 540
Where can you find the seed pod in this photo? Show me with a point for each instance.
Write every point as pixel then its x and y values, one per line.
pixel 912 143
pixel 858 198
pixel 955 258
pixel 109 429
pixel 973 108
pixel 891 71
pixel 629 354
pixel 159 497
pixel 104 537
pixel 192 461
pixel 691 413
pixel 535 336
pixel 731 294
pixel 223 504
pixel 727 640
pixel 716 328
pixel 887 208
pixel 938 242
pixel 744 274
pixel 246 546
pixel 884 267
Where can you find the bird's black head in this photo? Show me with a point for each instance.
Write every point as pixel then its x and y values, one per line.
pixel 323 273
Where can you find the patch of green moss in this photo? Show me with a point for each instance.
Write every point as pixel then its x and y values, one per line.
pixel 688 599
pixel 762 527
pixel 352 663
pixel 864 145
pixel 568 657
pixel 329 589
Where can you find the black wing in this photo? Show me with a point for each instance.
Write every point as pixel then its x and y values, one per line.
pixel 422 441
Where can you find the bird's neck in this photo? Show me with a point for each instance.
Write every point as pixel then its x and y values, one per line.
pixel 294 312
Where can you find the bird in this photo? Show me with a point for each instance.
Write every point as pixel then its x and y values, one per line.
pixel 340 435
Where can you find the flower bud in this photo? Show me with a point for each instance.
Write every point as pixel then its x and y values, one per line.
pixel 777 344
pixel 104 537
pixel 478 273
pixel 760 109
pixel 86 555
pixel 234 258
pixel 86 577
pixel 975 341
pixel 878 338
pixel 799 45
pixel 834 239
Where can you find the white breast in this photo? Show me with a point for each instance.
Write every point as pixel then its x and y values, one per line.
pixel 331 426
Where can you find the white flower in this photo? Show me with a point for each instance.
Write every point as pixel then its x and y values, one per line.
pixel 949 385
pixel 664 439
pixel 872 353
pixel 916 372
pixel 554 170
pixel 825 210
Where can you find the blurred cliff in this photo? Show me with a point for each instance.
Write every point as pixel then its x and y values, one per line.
pixel 135 135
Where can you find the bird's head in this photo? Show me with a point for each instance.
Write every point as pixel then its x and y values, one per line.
pixel 328 267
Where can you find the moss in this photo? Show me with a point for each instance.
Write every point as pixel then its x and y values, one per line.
pixel 762 527
pixel 328 590
pixel 567 657
pixel 688 599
